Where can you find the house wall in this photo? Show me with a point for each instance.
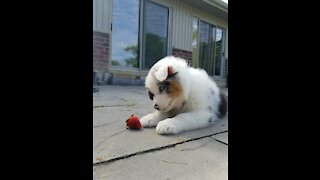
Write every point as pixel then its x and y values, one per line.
pixel 102 17
pixel 181 29
pixel 182 15
pixel 182 22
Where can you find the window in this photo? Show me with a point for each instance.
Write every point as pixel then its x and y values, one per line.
pixel 219 51
pixel 205 44
pixel 208 47
pixel 155 33
pixel 127 46
pixel 125 33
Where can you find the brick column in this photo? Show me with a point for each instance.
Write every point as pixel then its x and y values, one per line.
pixel 100 51
pixel 187 55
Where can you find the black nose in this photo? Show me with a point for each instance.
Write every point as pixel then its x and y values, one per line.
pixel 156 106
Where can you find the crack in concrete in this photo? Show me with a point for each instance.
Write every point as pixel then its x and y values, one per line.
pixel 219 141
pixel 152 150
pixel 174 162
pixel 116 105
pixel 105 124
pixel 96 146
pixel 102 106
pixel 140 92
pixel 123 99
pixel 187 149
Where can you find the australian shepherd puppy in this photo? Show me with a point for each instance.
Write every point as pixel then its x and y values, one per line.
pixel 185 98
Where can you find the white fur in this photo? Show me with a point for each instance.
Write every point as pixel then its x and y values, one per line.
pixel 161 74
pixel 199 93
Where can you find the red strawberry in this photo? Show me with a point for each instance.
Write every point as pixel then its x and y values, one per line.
pixel 133 122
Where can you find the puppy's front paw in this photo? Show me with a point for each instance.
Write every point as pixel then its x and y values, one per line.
pixel 167 127
pixel 149 121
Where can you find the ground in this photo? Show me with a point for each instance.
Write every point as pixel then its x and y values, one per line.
pixel 120 153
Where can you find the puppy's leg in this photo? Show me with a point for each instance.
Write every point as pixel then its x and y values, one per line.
pixel 184 122
pixel 152 119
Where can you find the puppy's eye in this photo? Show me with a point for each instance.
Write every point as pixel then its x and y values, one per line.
pixel 161 88
pixel 150 95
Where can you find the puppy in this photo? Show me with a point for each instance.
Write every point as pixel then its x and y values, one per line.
pixel 185 98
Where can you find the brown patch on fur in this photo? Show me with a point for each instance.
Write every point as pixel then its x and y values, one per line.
pixel 175 89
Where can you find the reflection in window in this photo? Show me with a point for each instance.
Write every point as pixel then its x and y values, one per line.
pixel 212 47
pixel 208 47
pixel 194 45
pixel 204 47
pixel 155 33
pixel 219 51
pixel 125 33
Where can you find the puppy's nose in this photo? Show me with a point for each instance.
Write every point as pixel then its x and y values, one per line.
pixel 156 106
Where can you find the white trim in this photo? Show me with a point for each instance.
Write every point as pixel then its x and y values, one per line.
pixel 169 31
pixel 218 4
pixel 128 72
pixel 141 34
pixel 196 63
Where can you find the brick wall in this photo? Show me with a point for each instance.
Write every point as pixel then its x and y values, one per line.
pixel 100 51
pixel 187 55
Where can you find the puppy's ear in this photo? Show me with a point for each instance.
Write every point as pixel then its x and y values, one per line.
pixel 162 73
pixel 171 74
pixel 169 71
pixel 165 72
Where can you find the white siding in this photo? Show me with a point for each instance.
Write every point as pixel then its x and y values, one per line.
pixel 182 22
pixel 102 15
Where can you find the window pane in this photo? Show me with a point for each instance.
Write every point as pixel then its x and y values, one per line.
pixel 125 33
pixel 219 51
pixel 204 47
pixel 156 33
pixel 212 47
pixel 195 34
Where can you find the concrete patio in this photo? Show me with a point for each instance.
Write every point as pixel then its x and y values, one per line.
pixel 120 153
